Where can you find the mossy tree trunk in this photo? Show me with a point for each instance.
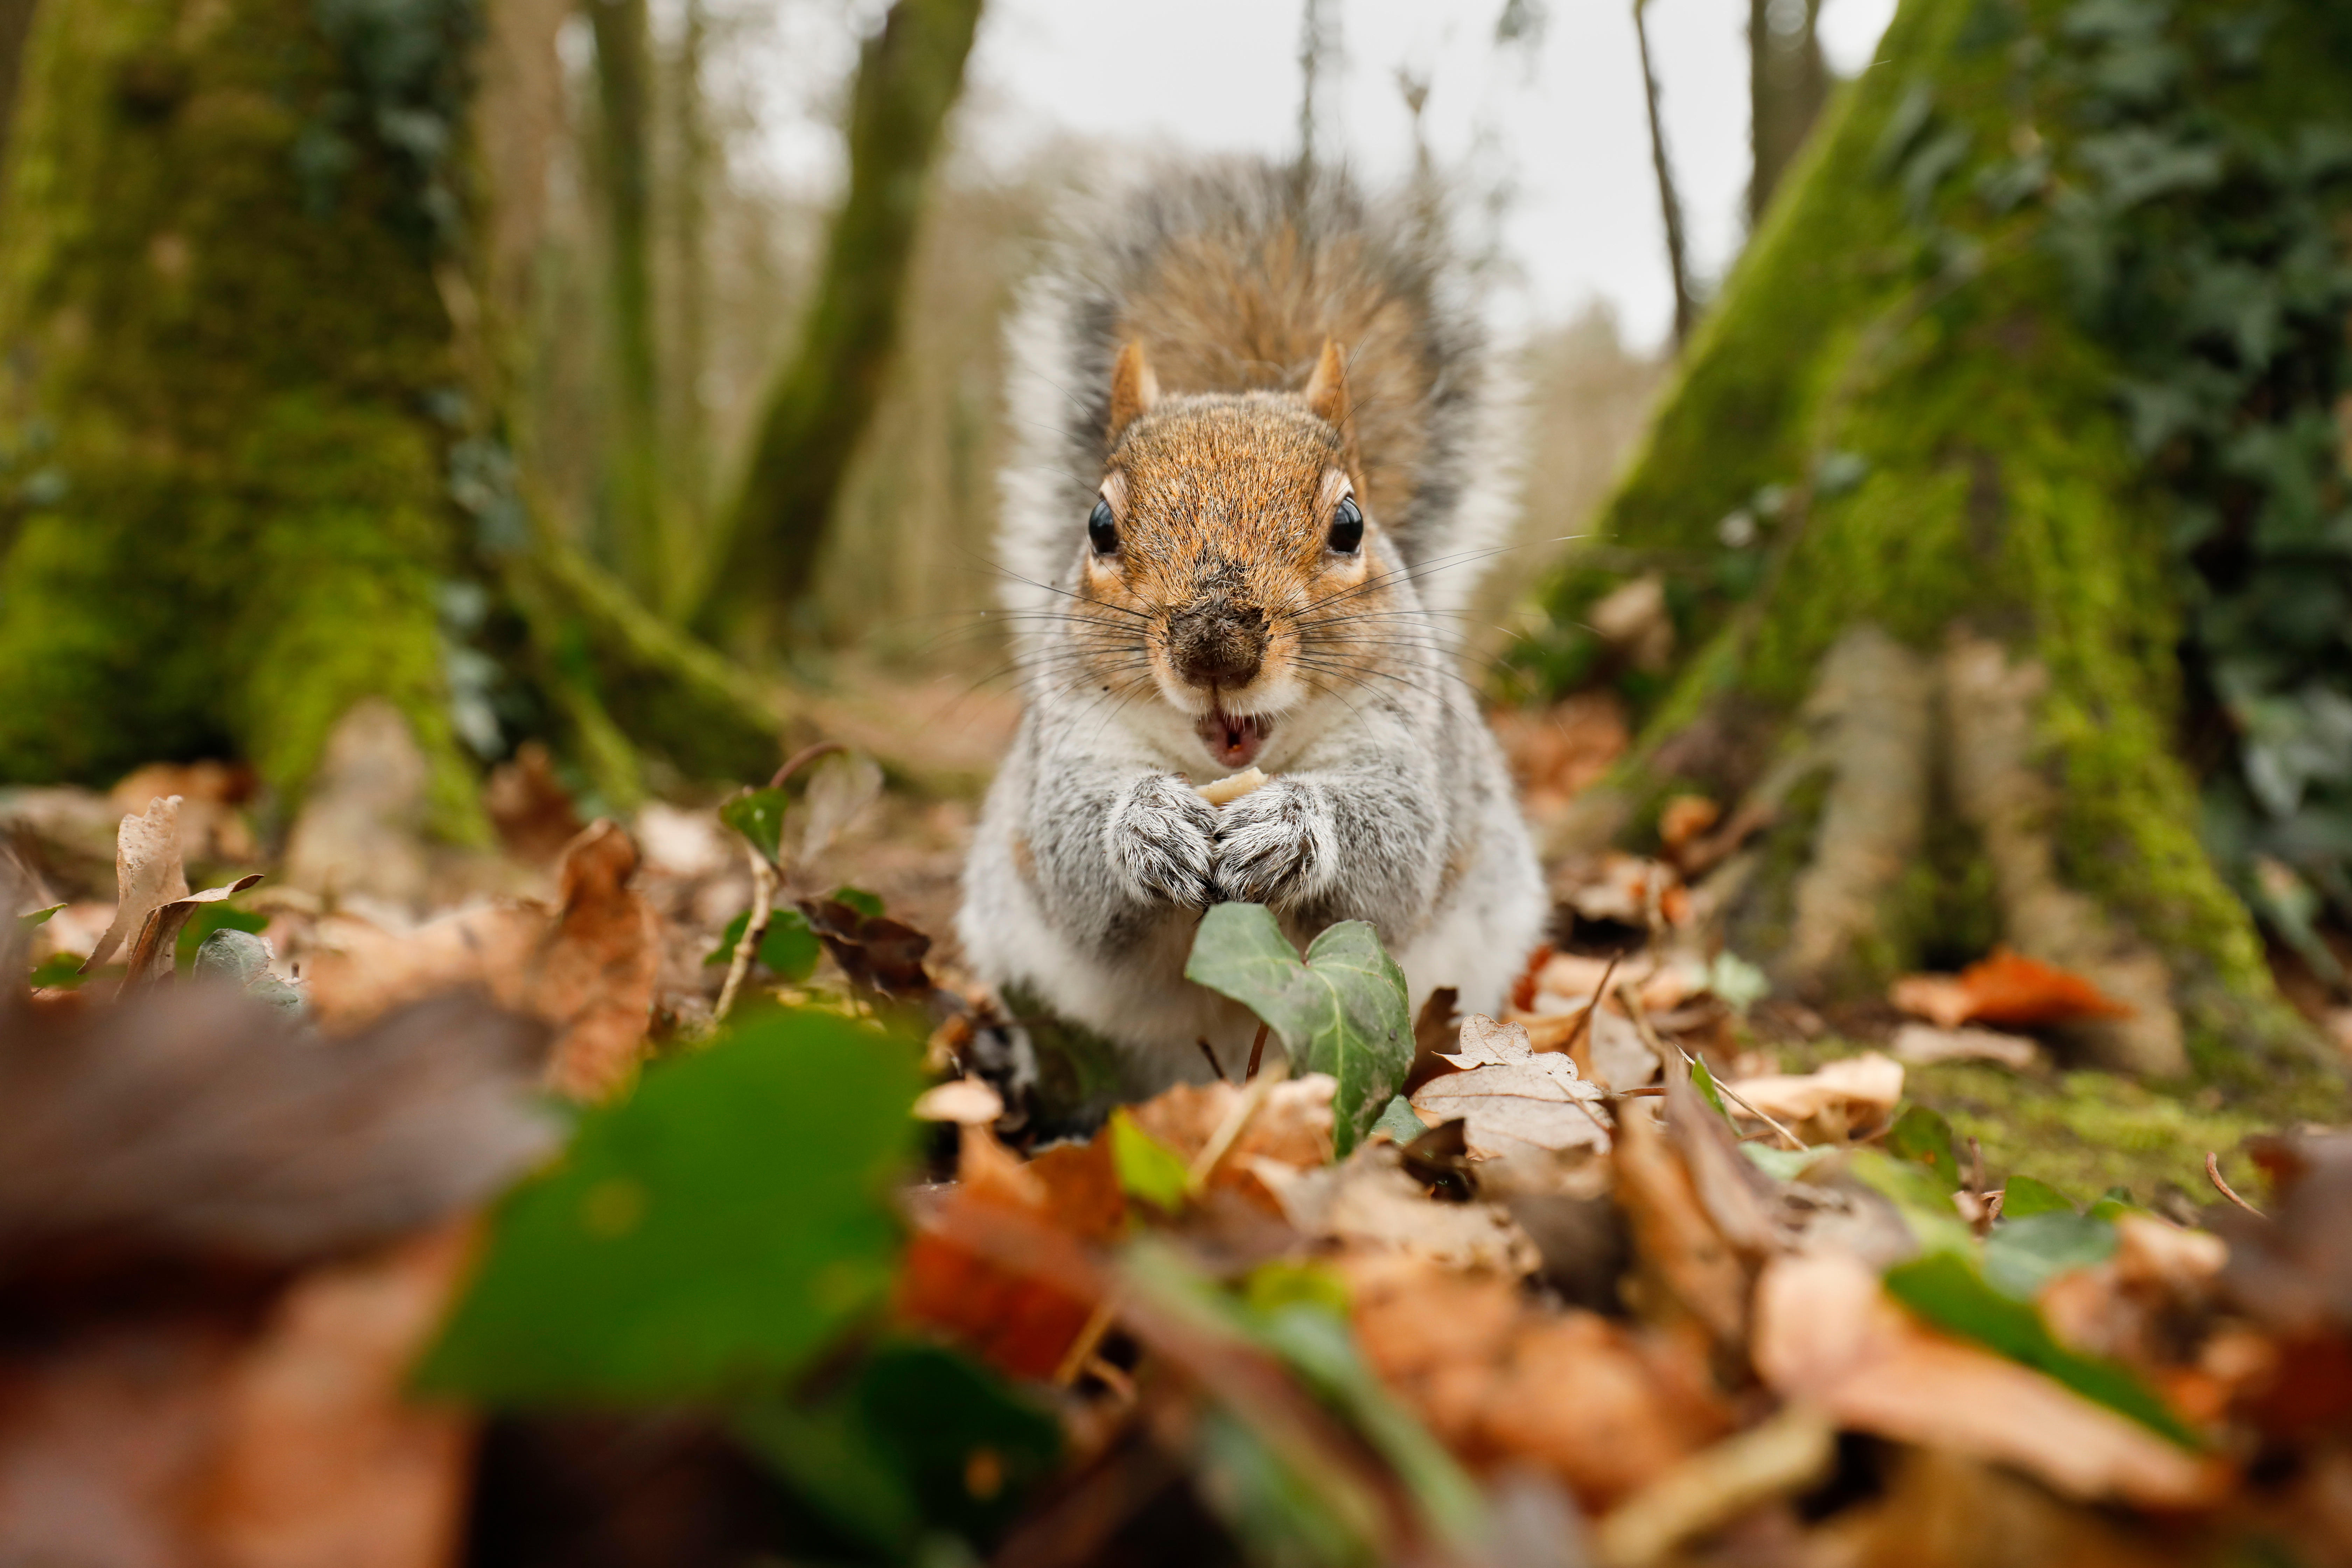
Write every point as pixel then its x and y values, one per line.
pixel 253 467
pixel 1919 573
pixel 765 547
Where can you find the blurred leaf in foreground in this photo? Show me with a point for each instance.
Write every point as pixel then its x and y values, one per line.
pixel 789 947
pixel 722 1223
pixel 1341 1012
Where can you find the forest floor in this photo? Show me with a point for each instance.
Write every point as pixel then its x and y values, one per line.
pixel 1657 1267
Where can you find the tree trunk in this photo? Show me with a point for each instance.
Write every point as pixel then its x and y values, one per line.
pixel 250 461
pixel 639 547
pixel 1787 83
pixel 765 549
pixel 1920 571
pixel 15 23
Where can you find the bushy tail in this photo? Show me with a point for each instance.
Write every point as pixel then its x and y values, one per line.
pixel 1231 275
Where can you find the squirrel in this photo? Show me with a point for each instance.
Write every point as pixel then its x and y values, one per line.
pixel 1260 445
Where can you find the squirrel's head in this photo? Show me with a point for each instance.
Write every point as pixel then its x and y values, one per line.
pixel 1230 563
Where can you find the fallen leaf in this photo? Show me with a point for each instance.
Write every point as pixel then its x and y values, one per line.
pixel 152 952
pixel 1369 1201
pixel 359 832
pixel 212 829
pixel 1826 1333
pixel 1683 1259
pixel 1921 1045
pixel 321 1456
pixel 529 806
pixel 1791 1452
pixel 876 952
pixel 1292 1128
pixel 1514 1098
pixel 1837 1096
pixel 2007 988
pixel 1684 819
pixel 147 874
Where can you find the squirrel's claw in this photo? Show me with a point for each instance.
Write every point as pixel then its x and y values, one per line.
pixel 1275 845
pixel 1162 838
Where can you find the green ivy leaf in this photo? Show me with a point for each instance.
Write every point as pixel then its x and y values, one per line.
pixel 60 971
pixel 758 816
pixel 1148 1169
pixel 921 1440
pixel 721 1224
pixel 35 919
pixel 2022 1255
pixel 2025 1196
pixel 790 948
pixel 1341 1012
pixel 1943 1288
pixel 1922 1136
pixel 858 899
pixel 1399 1121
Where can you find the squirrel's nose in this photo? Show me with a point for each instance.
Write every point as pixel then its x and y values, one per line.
pixel 1218 645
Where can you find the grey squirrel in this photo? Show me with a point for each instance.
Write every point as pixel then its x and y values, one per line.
pixel 1261 450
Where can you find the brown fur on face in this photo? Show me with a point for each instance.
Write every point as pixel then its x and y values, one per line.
pixel 1224 593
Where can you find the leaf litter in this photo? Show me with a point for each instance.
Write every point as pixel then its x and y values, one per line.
pixel 1415 1286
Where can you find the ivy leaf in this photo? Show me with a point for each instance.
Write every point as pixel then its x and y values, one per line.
pixel 2023 1255
pixel 37 918
pixel 59 970
pixel 720 1225
pixel 1341 1012
pixel 1922 1136
pixel 790 948
pixel 2025 1196
pixel 858 899
pixel 758 816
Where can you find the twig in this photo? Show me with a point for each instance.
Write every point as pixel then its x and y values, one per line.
pixel 802 758
pixel 1658 1046
pixel 1214 1064
pixel 1257 1053
pixel 1670 204
pixel 1082 1349
pixel 1229 1132
pixel 755 930
pixel 2214 1174
pixel 1600 991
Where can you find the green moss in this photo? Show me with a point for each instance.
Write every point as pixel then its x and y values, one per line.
pixel 223 366
pixel 1897 350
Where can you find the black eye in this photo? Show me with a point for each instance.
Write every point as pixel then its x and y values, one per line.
pixel 1102 529
pixel 1347 527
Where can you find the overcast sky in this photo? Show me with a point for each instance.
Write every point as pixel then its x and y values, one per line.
pixel 1563 125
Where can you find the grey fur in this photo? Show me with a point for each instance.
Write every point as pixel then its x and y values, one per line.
pixel 1389 802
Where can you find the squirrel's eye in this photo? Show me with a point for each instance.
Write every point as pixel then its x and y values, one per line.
pixel 1347 527
pixel 1102 529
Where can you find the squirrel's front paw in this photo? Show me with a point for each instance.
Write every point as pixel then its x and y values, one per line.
pixel 1164 841
pixel 1275 845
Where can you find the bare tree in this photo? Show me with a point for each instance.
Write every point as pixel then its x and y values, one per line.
pixel 1670 204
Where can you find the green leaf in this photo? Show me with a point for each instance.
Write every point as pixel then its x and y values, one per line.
pixel 206 920
pixel 1924 1204
pixel 1148 1169
pixel 790 949
pixel 858 899
pixel 1943 1288
pixel 719 1226
pixel 59 970
pixel 1341 1012
pixel 2114 1203
pixel 923 1440
pixel 1703 1081
pixel 2021 1254
pixel 2025 1196
pixel 1783 1164
pixel 37 918
pixel 758 816
pixel 1922 1136
pixel 1399 1121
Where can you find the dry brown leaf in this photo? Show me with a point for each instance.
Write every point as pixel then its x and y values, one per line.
pixel 147 874
pixel 1684 1259
pixel 529 806
pixel 210 826
pixel 1789 1453
pixel 1514 1098
pixel 1921 1045
pixel 588 967
pixel 152 952
pixel 2007 988
pixel 1372 1202
pixel 1827 1334
pixel 1292 1128
pixel 321 1459
pixel 1853 1092
pixel 1684 819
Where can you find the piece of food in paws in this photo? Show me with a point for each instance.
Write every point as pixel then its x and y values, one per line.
pixel 1232 787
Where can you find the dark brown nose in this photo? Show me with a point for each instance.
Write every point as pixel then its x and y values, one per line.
pixel 1217 644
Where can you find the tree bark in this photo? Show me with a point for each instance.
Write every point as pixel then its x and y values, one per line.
pixel 1921 578
pixel 1670 201
pixel 248 409
pixel 639 547
pixel 1787 83
pixel 16 23
pixel 765 550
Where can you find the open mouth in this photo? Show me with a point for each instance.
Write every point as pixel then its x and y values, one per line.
pixel 1234 739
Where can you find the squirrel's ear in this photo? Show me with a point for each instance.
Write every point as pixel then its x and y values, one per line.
pixel 1326 395
pixel 1133 390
